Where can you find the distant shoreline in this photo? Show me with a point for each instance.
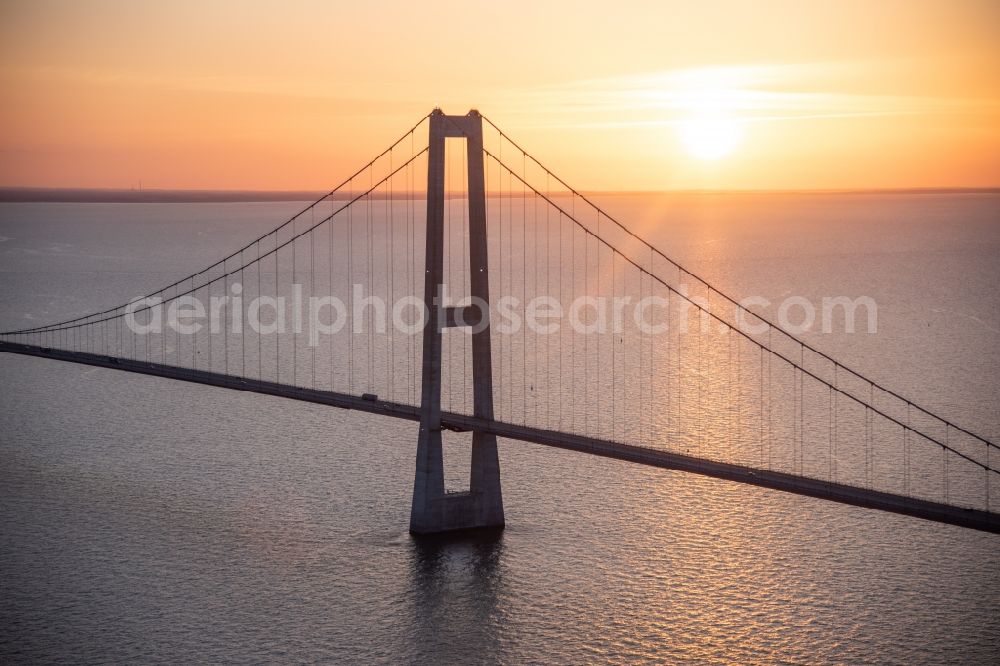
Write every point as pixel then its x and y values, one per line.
pixel 84 195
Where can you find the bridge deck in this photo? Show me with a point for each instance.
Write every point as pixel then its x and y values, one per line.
pixel 800 485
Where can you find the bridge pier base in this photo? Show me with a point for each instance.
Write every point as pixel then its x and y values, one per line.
pixel 481 507
pixel 434 510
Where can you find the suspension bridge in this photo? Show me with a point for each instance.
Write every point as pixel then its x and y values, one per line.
pixel 659 368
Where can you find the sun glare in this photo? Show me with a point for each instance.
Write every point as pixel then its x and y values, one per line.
pixel 709 136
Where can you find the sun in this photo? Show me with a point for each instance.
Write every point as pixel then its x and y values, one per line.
pixel 709 135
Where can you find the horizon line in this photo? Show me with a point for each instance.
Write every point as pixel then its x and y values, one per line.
pixel 34 194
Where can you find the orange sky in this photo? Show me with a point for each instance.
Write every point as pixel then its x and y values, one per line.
pixel 292 95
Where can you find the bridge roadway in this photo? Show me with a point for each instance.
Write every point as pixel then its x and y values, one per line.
pixel 799 485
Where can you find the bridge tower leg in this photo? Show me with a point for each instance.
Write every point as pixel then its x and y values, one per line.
pixel 433 510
